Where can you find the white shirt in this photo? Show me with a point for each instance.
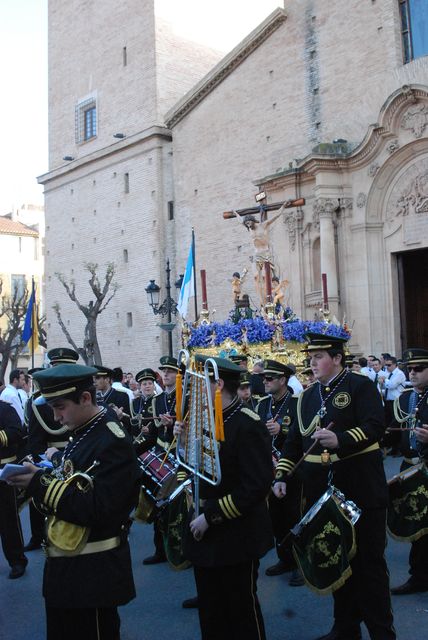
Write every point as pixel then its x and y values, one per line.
pixel 394 384
pixel 120 387
pixel 295 384
pixel 11 395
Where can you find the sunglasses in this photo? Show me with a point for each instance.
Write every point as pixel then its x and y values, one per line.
pixel 270 378
pixel 416 368
pixel 389 365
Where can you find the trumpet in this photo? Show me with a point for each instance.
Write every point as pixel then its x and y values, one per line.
pixel 83 475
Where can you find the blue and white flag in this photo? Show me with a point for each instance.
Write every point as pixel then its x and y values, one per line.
pixel 188 287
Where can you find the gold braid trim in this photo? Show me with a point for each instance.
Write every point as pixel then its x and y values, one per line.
pixel 315 422
pixel 399 414
pixel 42 423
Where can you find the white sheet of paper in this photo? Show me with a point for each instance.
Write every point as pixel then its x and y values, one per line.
pixel 13 470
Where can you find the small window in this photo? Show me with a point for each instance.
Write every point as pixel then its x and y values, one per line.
pixel 86 120
pixel 126 182
pixel 129 319
pixel 125 255
pixel 124 56
pixel 414 28
pixel 17 286
pixel 171 210
pixel 19 244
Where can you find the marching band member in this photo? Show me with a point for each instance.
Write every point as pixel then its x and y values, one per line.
pixel 44 433
pixel 411 407
pixel 278 411
pixel 226 541
pixel 88 498
pixel 108 396
pixel 164 411
pixel 144 429
pixel 350 452
pixel 11 435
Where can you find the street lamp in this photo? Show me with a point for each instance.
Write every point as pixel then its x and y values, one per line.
pixel 168 306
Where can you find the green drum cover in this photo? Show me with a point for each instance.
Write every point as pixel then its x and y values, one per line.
pixel 324 549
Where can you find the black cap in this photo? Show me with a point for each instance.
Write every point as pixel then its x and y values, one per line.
pixel 226 369
pixel 245 379
pixel 145 374
pixel 275 368
pixel 64 379
pixel 415 356
pixel 63 355
pixel 104 372
pixel 169 362
pixel 323 342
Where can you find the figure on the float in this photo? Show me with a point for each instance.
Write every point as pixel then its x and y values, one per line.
pixel 259 232
pixel 278 292
pixel 237 282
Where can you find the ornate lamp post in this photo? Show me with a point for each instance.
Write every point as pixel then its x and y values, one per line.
pixel 167 308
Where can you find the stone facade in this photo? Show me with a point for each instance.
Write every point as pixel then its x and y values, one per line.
pixel 265 117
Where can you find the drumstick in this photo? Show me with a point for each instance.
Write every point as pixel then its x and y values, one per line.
pixel 302 459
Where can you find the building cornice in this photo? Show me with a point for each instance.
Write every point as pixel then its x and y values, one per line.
pixel 100 154
pixel 225 67
pixel 361 155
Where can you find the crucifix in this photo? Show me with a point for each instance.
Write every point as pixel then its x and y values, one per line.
pixel 259 231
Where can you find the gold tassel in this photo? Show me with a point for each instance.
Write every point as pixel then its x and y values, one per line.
pixel 218 408
pixel 178 396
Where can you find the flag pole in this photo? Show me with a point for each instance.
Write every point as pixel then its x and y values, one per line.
pixel 33 293
pixel 194 273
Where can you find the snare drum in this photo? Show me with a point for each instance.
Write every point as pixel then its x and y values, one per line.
pixel 159 479
pixel 324 541
pixel 408 504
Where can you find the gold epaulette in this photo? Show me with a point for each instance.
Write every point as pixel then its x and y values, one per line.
pixel 250 412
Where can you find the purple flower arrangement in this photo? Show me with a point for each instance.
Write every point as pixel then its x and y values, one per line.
pixel 257 329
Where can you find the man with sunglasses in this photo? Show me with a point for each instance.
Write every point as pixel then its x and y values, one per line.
pixel 411 409
pixel 277 410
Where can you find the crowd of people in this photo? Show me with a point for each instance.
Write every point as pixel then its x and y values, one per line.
pixel 286 440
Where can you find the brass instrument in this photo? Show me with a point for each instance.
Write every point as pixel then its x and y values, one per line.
pixel 83 475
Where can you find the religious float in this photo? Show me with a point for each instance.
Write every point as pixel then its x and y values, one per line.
pixel 271 330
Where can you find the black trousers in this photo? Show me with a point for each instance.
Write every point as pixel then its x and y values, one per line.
pixel 37 522
pixel 82 624
pixel 10 526
pixel 365 596
pixel 284 514
pixel 228 603
pixel 418 560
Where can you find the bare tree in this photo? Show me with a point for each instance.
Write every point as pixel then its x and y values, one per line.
pixel 90 352
pixel 13 308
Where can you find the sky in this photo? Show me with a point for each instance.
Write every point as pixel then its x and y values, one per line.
pixel 23 55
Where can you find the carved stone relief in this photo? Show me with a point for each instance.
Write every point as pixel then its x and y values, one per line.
pixel 361 200
pixel 416 119
pixel 392 146
pixel 408 203
pixel 372 170
pixel 292 221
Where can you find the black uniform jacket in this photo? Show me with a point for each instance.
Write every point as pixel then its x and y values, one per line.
pixel 282 411
pixel 401 411
pixel 102 579
pixel 236 509
pixel 11 433
pixel 119 399
pixel 164 403
pixel 40 419
pixel 142 407
pixel 355 407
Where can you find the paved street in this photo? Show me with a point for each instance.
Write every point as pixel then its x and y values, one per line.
pixel 290 613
